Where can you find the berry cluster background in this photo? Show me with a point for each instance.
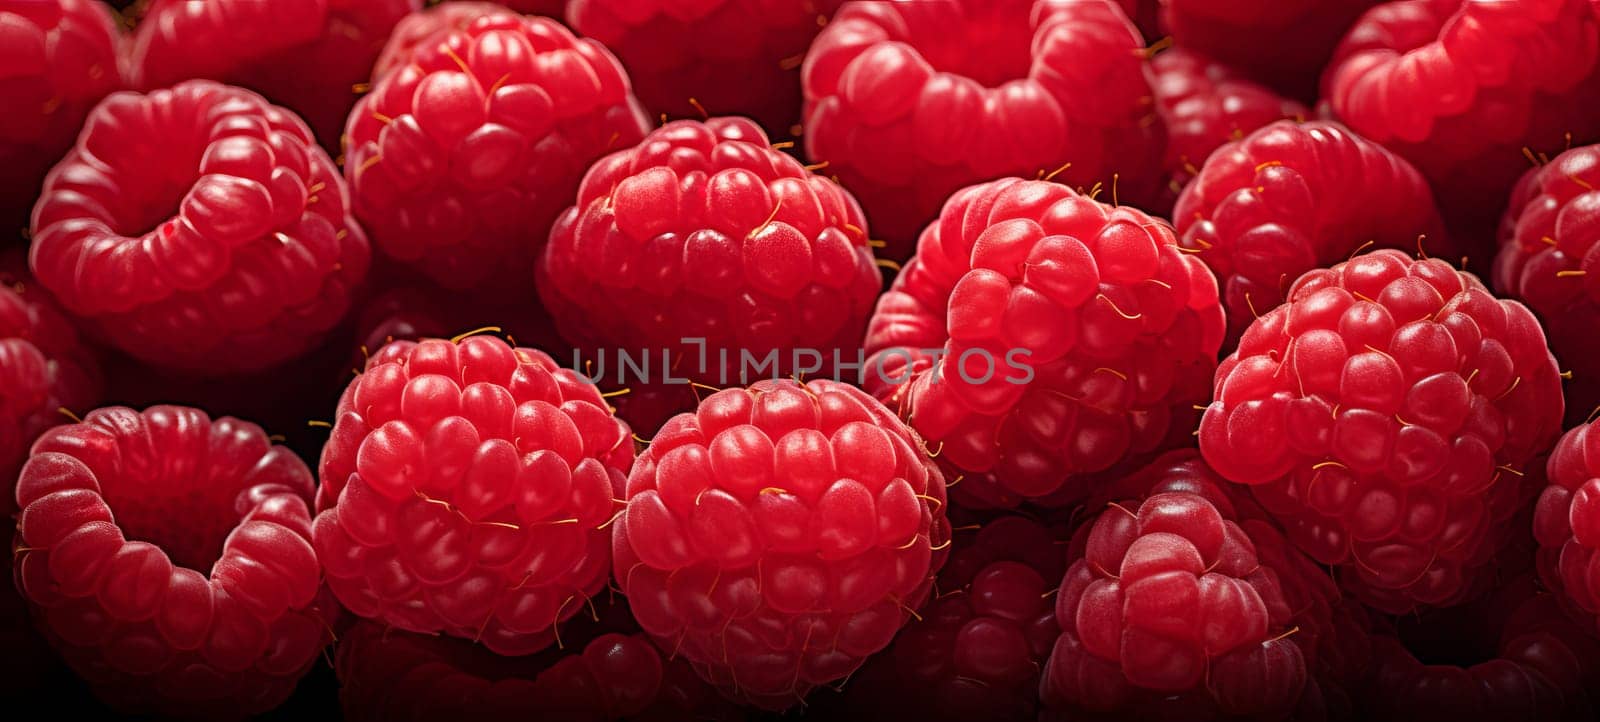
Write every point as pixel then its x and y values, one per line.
pixel 1113 359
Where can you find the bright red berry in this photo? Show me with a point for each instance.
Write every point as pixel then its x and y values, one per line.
pixel 717 57
pixel 308 55
pixel 779 535
pixel 705 232
pixel 461 157
pixel 1465 88
pixel 1039 336
pixel 168 558
pixel 199 228
pixel 1567 522
pixel 1282 43
pixel 1548 260
pixel 59 59
pixel 909 102
pixel 1383 414
pixel 466 489
pixel 1292 197
pixel 421 27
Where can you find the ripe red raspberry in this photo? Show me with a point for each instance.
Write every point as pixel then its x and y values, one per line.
pixel 1039 336
pixel 1293 197
pixel 1462 88
pixel 1283 43
pixel 421 27
pixel 909 102
pixel 199 228
pixel 1205 104
pixel 1548 260
pixel 59 59
pixel 307 55
pixel 1382 414
pixel 466 489
pixel 779 535
pixel 722 57
pixel 704 231
pixel 1185 603
pixel 168 558
pixel 1567 522
pixel 461 158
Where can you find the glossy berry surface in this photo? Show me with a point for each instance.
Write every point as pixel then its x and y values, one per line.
pixel 1549 260
pixel 168 558
pixel 1501 76
pixel 705 232
pixel 59 58
pixel 717 57
pixel 421 27
pixel 461 158
pixel 307 55
pixel 779 535
pixel 906 111
pixel 199 228
pixel 1039 336
pixel 467 489
pixel 1385 414
pixel 1283 43
pixel 1292 197
pixel 1567 522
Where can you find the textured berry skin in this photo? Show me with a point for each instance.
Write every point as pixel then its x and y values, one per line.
pixel 199 228
pixel 704 231
pixel 1205 104
pixel 1293 197
pixel 461 158
pixel 466 489
pixel 907 110
pixel 168 558
pixel 1384 414
pixel 1502 76
pixel 779 535
pixel 1121 332
pixel 1185 603
pixel 1548 260
pixel 57 59
pixel 1283 43
pixel 307 55
pixel 420 27
pixel 1566 523
pixel 732 57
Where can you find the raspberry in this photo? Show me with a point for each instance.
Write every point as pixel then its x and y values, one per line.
pixel 1184 604
pixel 1501 77
pixel 1146 15
pixel 1547 254
pixel 466 488
pixel 199 228
pixel 59 59
pixel 122 517
pixel 723 57
pixel 1081 338
pixel 1205 104
pixel 977 649
pixel 1381 414
pixel 421 27
pixel 1292 197
pixel 703 231
pixel 461 158
pixel 1567 522
pixel 909 102
pixel 1282 43
pixel 303 54
pixel 779 535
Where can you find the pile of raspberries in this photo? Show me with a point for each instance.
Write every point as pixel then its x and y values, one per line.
pixel 1020 360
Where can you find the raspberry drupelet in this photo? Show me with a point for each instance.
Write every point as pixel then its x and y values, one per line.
pixel 1282 43
pixel 905 110
pixel 1039 336
pixel 167 556
pixel 59 59
pixel 199 228
pixel 463 155
pixel 1549 260
pixel 311 56
pixel 1567 523
pixel 779 535
pixel 1384 414
pixel 421 27
pixel 1292 197
pixel 467 488
pixel 705 232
